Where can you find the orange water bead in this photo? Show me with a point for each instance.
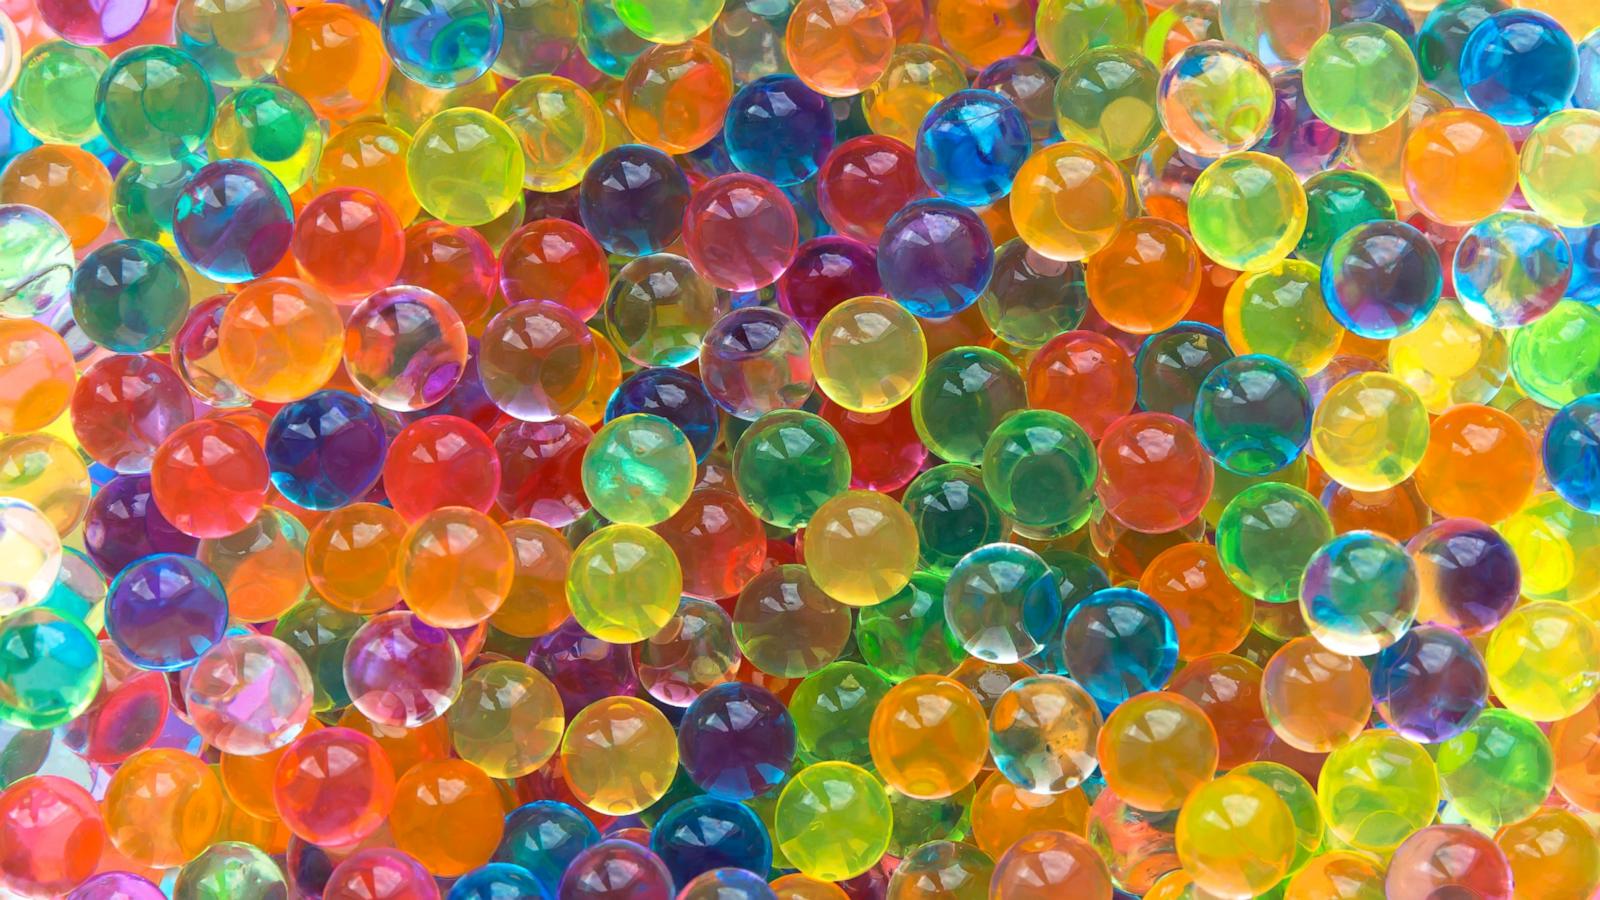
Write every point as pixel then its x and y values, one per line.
pixel 1155 748
pixel 1459 166
pixel 348 242
pixel 929 736
pixel 455 567
pixel 335 60
pixel 537 601
pixel 1086 377
pixel 333 786
pixel 71 184
pixel 37 375
pixel 804 887
pixel 370 155
pixel 1480 464
pixel 448 815
pixel 1210 613
pixel 675 95
pixel 980 32
pixel 280 339
pixel 839 47
pixel 351 555
pixel 1003 813
pixel 1147 278
pixel 1315 699
pixel 162 807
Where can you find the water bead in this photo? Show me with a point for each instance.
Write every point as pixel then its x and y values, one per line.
pixel 866 180
pixel 1370 432
pixel 459 140
pixel 1459 166
pixel 1214 99
pixel 1371 811
pixel 1544 661
pixel 1360 77
pixel 36 266
pixel 639 470
pixel 740 231
pixel 69 184
pixel 833 709
pixel 624 583
pixel 165 610
pixel 1154 749
pixel 970 146
pixel 825 273
pixel 786 626
pixel 755 360
pixel 1442 858
pixel 779 128
pixel 1068 200
pixel 1518 66
pixel 1066 28
pixel 129 296
pixel 1430 685
pixel 619 755
pixel 1381 279
pixel 440 461
pixel 1032 298
pixel 442 44
pixel 1235 836
pixel 154 105
pixel 935 257
pixel 349 243
pixel 868 354
pixel 1042 734
pixel 1497 771
pixel 1117 643
pixel 235 44
pixel 280 339
pixel 1359 593
pixel 673 395
pixel 1154 475
pixel 272 127
pixel 954 515
pixel 839 47
pixel 162 807
pixel 788 464
pixel 1551 851
pixel 51 668
pixel 1266 535
pixel 209 478
pixel 37 373
pixel 1453 358
pixel 60 825
pixel 401 671
pixel 861 548
pixel 614 867
pixel 1280 312
pixel 1253 415
pixel 658 310
pixel 1511 268
pixel 1247 211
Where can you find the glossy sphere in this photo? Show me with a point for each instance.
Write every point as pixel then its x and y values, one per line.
pixel 49 473
pixel 832 821
pixel 1050 864
pixel 401 671
pixel 705 839
pixel 51 666
pixel 786 626
pixel 1031 298
pixel 1445 858
pixel 1068 200
pixel 659 309
pixel 460 140
pixel 1549 180
pixel 755 360
pixel 1518 66
pixel 1360 77
pixel 162 807
pixel 1430 685
pixel 1469 576
pixel 271 126
pixel 737 741
pixel 1544 661
pixel 537 361
pixel 455 567
pixel 1376 790
pixel 69 183
pixel 826 272
pixel 833 710
pixel 123 407
pixel 1235 836
pixel 740 231
pixel 325 450
pixel 788 464
pixel 1085 376
pixel 632 200
pixel 56 833
pixel 868 354
pixel 442 45
pixel 779 128
pixel 1156 748
pixel 235 44
pixel 1117 643
pixel 1571 440
pixel 1549 356
pixel 209 478
pixel 36 375
pixel 861 548
pixel 349 243
pixel 1253 415
pixel 839 47
pixel 447 815
pixel 440 461
pixel 165 610
pixel 1147 278
pixel 554 260
pixel 673 395
pixel 1551 851
pixel 1281 313
pixel 36 267
pixel 1155 475
pixel 541 469
pixel 1370 432
pixel 1002 602
pixel 280 339
pixel 405 348
pixel 123 525
pixel 616 868
pixel 954 515
pixel 129 296
pixel 1247 211
pixel 1208 612
pixel 334 40
pixel 1215 99
pixel 1381 279
pixel 928 737
pixel 1107 98
pixel 619 755
pixel 624 583
pixel 1042 734
pixel 1497 771
pixel 638 470
pixel 864 182
pixel 1440 153
pixel 154 105
pixel 249 694
pixel 935 257
pixel 971 145
pixel 1467 443
pixel 1315 699
pixel 674 96
pixel 380 872
pixel 1360 593
pixel 1453 358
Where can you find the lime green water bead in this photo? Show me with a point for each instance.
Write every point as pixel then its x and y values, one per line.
pixel 1265 537
pixel 53 96
pixel 1497 771
pixel 833 821
pixel 963 397
pixel 155 105
pixel 832 709
pixel 787 464
pixel 1066 28
pixel 668 21
pixel 1107 98
pixel 465 166
pixel 1378 789
pixel 1281 312
pixel 638 470
pixel 624 584
pixel 1247 211
pixel 1360 78
pixel 272 126
pixel 1556 358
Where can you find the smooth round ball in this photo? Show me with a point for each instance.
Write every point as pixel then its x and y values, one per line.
pixel 1235 836
pixel 1360 77
pixel 465 140
pixel 1155 749
pixel 1002 602
pixel 1068 200
pixel 1247 211
pixel 832 821
pixel 619 755
pixel 1376 790
pixel 401 671
pixel 624 583
pixel 1118 643
pixel 861 548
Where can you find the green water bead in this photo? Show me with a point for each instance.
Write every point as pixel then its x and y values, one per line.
pixel 1266 536
pixel 954 515
pixel 1360 78
pixel 789 463
pixel 143 197
pixel 130 296
pixel 832 709
pixel 50 667
pixel 1040 468
pixel 907 635
pixel 155 105
pixel 320 632
pixel 1556 358
pixel 639 470
pixel 54 95
pixel 964 395
pixel 1497 771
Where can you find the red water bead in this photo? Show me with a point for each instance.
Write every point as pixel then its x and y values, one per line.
pixel 209 478
pixel 1399 512
pixel 1086 377
pixel 334 786
pixel 454 262
pixel 719 542
pixel 826 272
pixel 124 407
pixel 380 873
pixel 440 461
pixel 1154 474
pixel 51 836
pixel 1228 688
pixel 127 714
pixel 348 242
pixel 885 451
pixel 558 261
pixel 541 469
pixel 740 232
pixel 864 182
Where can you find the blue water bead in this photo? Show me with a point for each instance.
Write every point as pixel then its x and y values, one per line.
pixel 164 611
pixel 971 145
pixel 935 258
pixel 1117 643
pixel 1587 93
pixel 442 43
pixel 1381 278
pixel 1572 452
pixel 498 881
pixel 674 395
pixel 1429 685
pixel 543 837
pixel 631 200
pixel 326 450
pixel 1391 14
pixel 1511 268
pixel 737 740
pixel 1253 414
pixel 232 221
pixel 1519 66
pixel 704 833
pixel 778 128
pixel 1585 244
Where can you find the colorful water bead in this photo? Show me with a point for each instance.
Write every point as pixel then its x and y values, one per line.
pixel 1042 734
pixel 935 257
pixel 1280 312
pixel 786 626
pixel 624 583
pixel 1253 414
pixel 165 610
pixel 465 140
pixel 838 49
pixel 334 786
pixel 1370 432
pixel 401 671
pixel 928 737
pixel 1247 211
pixel 1154 749
pixel 868 354
pixel 1544 661
pixel 209 478
pixel 1154 474
pixel 1068 200
pixel 69 184
pixel 1459 166
pixel 51 667
pixel 162 807
pixel 1377 789
pixel 638 470
pixel 1360 77
pixel 248 694
pixel 1235 836
pixel 155 105
pixel 280 339
pixel 832 821
pixel 1214 98
pixel 788 464
pixel 1430 685
pixel 861 547
pixel 537 361
pixel 1518 66
pixel 37 373
pixel 36 266
pixel 129 296
pixel 1266 535
pixel 1381 279
pixel 1444 858
pixel 1359 593
pixel 1117 643
pixel 271 126
pixel 659 309
pixel 349 243
pixel 755 360
pixel 619 755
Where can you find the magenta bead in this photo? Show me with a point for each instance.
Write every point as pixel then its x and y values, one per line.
pixel 740 232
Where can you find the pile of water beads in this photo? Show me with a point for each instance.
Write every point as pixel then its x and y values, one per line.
pixel 804 449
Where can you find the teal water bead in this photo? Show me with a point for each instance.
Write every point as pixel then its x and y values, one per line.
pixel 54 95
pixel 1498 771
pixel 964 394
pixel 50 669
pixel 907 635
pixel 832 709
pixel 1265 537
pixel 155 105
pixel 1253 414
pixel 1360 593
pixel 1040 467
pixel 130 296
pixel 639 470
pixel 1003 603
pixel 954 515
pixel 787 464
pixel 1337 201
